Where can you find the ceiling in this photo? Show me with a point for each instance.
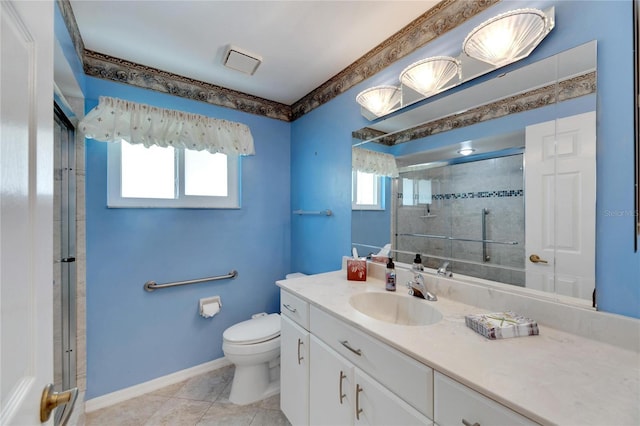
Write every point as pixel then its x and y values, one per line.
pixel 302 43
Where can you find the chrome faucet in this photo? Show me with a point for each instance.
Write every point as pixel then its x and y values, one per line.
pixel 417 288
pixel 444 270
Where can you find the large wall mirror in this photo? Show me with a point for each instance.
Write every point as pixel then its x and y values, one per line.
pixel 496 179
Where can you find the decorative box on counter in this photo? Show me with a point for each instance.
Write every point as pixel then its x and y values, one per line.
pixel 501 325
pixel 356 269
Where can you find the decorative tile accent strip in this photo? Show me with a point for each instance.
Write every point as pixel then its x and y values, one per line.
pixel 575 87
pixel 114 69
pixel 444 17
pixel 480 194
pixel 72 26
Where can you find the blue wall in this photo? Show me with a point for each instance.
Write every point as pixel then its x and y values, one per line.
pixel 326 131
pixel 134 336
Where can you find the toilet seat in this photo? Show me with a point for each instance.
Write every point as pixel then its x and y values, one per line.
pixel 255 330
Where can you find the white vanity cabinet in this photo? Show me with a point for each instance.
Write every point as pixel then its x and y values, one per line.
pixel 456 404
pixel 294 359
pixel 356 379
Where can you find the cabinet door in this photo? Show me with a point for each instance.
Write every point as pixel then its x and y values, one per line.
pixel 294 372
pixel 376 405
pixel 456 404
pixel 331 381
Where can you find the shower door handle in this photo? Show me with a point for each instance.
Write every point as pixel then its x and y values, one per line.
pixel 68 259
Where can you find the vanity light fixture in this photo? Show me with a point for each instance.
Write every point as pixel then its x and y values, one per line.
pixel 466 151
pixel 379 100
pixel 430 75
pixel 508 37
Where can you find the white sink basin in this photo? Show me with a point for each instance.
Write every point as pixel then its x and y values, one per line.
pixel 395 308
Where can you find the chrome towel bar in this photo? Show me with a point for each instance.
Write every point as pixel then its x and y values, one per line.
pixel 152 285
pixel 326 212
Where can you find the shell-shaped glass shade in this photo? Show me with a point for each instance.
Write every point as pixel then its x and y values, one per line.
pixel 430 75
pixel 379 100
pixel 507 37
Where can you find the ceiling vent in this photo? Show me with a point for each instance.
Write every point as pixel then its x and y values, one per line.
pixel 241 60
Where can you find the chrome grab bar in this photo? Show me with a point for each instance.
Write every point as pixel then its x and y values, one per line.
pixel 444 237
pixel 152 285
pixel 485 255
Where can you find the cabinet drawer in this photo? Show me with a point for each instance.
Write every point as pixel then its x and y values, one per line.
pixel 404 376
pixel 295 308
pixel 456 404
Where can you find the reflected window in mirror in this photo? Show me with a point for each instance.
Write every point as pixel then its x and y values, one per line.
pixel 367 192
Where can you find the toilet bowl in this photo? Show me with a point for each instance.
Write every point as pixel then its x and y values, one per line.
pixel 253 346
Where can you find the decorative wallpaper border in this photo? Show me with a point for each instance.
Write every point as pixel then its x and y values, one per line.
pixel 571 88
pixel 115 69
pixel 445 16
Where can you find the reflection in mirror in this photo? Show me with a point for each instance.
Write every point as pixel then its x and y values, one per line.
pixel 471 210
pixel 448 212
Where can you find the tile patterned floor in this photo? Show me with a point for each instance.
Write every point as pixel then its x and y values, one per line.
pixel 200 401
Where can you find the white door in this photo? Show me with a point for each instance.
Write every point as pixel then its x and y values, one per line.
pixel 26 220
pixel 560 191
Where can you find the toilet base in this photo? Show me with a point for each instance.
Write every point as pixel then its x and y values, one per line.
pixel 252 383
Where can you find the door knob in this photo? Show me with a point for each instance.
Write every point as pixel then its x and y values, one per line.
pixel 536 259
pixel 51 399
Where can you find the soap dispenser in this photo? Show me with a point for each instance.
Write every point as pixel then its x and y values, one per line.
pixel 391 276
pixel 417 263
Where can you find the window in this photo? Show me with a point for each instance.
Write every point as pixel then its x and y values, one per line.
pixel 415 192
pixel 367 192
pixel 169 177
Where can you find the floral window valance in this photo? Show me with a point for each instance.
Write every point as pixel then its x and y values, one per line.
pixel 368 161
pixel 116 119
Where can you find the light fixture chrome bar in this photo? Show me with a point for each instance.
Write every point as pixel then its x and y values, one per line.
pixel 152 285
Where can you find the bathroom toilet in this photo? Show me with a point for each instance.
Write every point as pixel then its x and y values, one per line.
pixel 253 346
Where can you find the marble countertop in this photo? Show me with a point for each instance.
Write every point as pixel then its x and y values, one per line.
pixel 553 378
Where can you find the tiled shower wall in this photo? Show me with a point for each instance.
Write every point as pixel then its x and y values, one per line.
pixel 460 192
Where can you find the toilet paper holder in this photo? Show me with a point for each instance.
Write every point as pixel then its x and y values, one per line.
pixel 209 306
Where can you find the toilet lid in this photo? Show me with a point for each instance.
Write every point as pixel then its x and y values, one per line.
pixel 255 330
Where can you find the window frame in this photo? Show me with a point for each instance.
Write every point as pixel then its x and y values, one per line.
pixel 380 193
pixel 114 186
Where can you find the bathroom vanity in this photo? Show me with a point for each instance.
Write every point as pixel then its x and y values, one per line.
pixel 341 366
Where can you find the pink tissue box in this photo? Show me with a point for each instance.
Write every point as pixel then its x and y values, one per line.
pixel 356 270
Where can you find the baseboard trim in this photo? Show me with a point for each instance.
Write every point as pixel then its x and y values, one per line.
pixel 116 397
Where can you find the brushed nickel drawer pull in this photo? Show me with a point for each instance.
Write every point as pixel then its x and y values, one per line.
pixel 291 309
pixel 346 344
pixel 358 409
pixel 300 358
pixel 342 395
pixel 466 423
